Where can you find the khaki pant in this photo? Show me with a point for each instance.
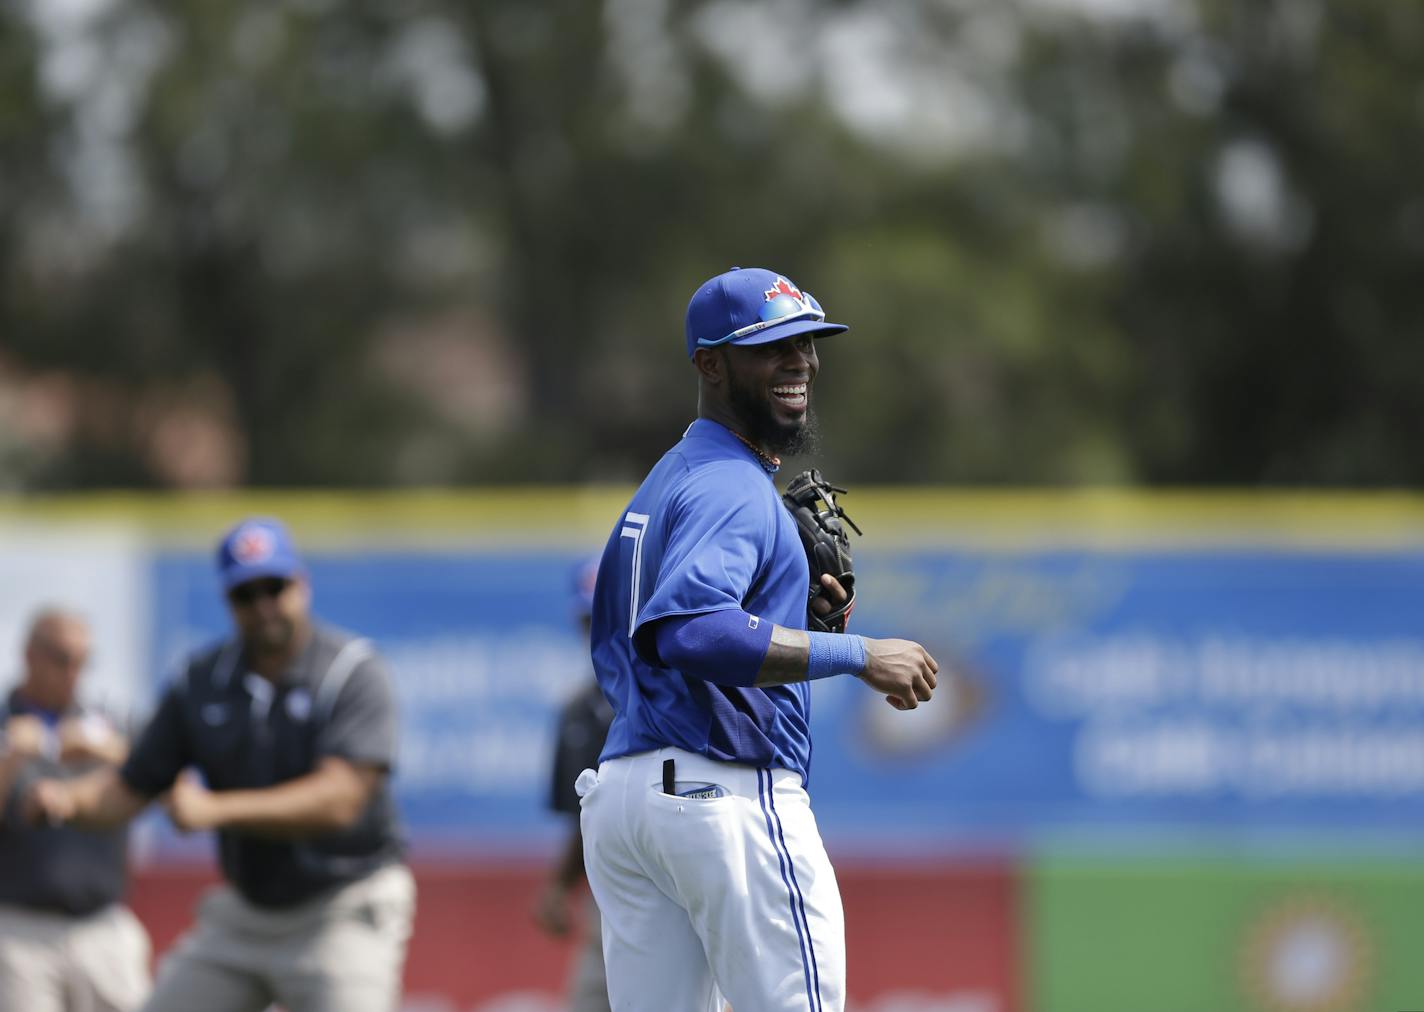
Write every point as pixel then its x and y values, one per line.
pixel 341 953
pixel 59 963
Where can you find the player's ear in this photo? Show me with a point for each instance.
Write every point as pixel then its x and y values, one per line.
pixel 711 364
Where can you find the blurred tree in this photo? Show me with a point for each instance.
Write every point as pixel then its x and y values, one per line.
pixel 256 183
pixel 415 241
pixel 1260 162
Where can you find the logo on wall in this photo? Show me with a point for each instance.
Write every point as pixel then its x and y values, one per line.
pixel 1307 954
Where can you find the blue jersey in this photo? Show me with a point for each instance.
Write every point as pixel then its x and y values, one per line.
pixel 706 532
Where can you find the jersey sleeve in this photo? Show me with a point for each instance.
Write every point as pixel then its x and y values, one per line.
pixel 718 529
pixel 361 726
pixel 162 749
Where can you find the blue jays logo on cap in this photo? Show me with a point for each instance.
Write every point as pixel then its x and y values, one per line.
pixel 784 299
pixel 252 544
pixel 256 548
pixel 752 306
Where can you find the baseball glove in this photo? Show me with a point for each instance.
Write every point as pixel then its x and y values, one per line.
pixel 812 502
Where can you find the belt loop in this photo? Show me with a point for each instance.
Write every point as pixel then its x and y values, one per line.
pixel 669 778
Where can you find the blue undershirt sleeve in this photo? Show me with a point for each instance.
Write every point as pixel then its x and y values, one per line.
pixel 726 647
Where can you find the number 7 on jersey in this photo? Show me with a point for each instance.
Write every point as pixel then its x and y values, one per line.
pixel 635 525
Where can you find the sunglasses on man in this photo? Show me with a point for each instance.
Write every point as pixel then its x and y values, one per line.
pixel 253 590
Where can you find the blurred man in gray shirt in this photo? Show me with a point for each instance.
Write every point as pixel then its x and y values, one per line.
pixel 67 943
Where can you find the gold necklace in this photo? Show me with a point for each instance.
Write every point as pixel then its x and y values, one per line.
pixel 770 463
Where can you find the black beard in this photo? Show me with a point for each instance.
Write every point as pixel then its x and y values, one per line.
pixel 763 428
pixel 806 439
pixel 271 637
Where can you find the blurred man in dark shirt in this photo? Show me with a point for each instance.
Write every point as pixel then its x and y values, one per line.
pixel 67 943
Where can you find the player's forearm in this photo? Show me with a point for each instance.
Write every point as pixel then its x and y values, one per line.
pixel 795 655
pixel 91 739
pixel 327 800
pixel 786 658
pixel 101 799
pixel 112 750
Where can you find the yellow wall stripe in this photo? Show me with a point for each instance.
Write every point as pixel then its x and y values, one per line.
pixel 583 515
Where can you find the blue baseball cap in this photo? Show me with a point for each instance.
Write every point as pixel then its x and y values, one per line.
pixel 257 548
pixel 752 305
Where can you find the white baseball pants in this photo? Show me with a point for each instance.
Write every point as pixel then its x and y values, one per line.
pixel 699 894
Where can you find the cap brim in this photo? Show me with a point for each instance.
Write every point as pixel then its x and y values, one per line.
pixel 817 328
pixel 260 571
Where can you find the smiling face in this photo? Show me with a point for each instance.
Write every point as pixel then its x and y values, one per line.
pixel 763 391
pixel 271 614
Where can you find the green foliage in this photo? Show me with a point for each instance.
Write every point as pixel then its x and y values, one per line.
pixel 416 241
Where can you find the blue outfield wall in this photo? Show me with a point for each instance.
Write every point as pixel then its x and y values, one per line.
pixel 1123 695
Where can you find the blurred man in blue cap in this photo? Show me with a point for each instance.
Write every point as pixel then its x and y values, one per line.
pixel 583 726
pixel 292 726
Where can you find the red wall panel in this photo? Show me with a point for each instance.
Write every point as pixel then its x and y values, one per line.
pixel 929 936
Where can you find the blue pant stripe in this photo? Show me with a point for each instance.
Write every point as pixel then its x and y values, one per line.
pixel 800 898
pixel 764 792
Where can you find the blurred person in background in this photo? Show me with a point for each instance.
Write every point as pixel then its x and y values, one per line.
pixel 583 726
pixel 292 726
pixel 67 942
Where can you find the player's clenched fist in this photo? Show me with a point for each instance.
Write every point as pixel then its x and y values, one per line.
pixel 902 670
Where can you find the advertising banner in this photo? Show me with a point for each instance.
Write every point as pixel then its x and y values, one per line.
pixel 1138 694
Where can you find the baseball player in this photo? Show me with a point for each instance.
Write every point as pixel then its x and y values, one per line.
pixel 292 727
pixel 702 850
pixel 67 942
